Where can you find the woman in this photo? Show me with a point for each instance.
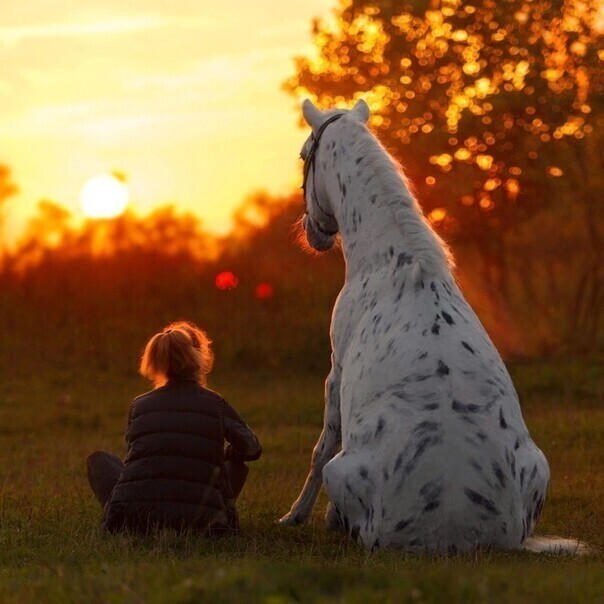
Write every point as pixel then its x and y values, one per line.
pixel 176 472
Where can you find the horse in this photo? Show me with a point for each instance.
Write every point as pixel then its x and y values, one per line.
pixel 423 447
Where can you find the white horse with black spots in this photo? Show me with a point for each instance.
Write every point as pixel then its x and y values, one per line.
pixel 435 456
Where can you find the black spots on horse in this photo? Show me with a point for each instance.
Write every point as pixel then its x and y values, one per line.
pixel 467 347
pixel 476 465
pixel 436 294
pixel 403 259
pixel 415 542
pixel 349 488
pixel 482 501
pixel 504 528
pixel 522 474
pixel 426 426
pixel 426 443
pixel 419 378
pixel 354 533
pixel 398 463
pixel 499 474
pixel 442 369
pixel 538 509
pixel 431 493
pixel 365 283
pixel 358 160
pixel 467 419
pixel 385 475
pixel 513 468
pixel 463 408
pixel 391 250
pixel 401 290
pixel 363 472
pixel 424 332
pixel 380 426
pixel 432 505
pixel 344 189
pixel 373 199
pixel 517 444
pixel 502 423
pixel 407 326
pixel 431 407
pixel 435 329
pixel 533 473
pixel 423 355
pixel 481 436
pixel 447 317
pixel 402 524
pixel 446 288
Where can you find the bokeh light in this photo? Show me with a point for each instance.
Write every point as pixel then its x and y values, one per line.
pixel 226 280
pixel 264 291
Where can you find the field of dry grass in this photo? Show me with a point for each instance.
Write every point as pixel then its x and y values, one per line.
pixel 52 550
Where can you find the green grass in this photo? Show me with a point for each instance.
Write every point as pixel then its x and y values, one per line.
pixel 52 550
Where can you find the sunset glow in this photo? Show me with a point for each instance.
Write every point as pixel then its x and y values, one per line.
pixel 104 196
pixel 172 93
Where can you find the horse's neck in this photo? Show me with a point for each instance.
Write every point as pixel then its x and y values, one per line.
pixel 378 217
pixel 369 231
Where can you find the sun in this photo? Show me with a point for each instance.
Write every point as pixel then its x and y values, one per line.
pixel 104 196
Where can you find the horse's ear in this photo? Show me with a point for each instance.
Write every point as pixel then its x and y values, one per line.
pixel 311 114
pixel 361 111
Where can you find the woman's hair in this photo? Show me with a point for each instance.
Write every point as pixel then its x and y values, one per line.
pixel 180 351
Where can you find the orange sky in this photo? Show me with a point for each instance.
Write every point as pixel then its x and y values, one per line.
pixel 183 96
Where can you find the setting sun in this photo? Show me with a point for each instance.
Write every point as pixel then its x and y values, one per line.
pixel 104 196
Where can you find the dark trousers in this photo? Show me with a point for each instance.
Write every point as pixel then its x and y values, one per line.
pixel 104 470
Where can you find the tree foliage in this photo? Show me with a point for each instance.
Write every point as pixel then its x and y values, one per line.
pixel 7 189
pixel 487 104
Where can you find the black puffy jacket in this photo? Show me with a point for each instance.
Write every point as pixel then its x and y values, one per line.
pixel 174 472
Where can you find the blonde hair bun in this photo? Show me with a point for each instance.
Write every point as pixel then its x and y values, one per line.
pixel 181 351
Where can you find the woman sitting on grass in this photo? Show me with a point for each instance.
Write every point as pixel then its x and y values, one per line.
pixel 176 472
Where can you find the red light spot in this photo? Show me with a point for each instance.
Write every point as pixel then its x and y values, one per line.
pixel 226 280
pixel 264 291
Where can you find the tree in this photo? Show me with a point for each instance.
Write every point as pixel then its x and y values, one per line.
pixel 487 104
pixel 7 189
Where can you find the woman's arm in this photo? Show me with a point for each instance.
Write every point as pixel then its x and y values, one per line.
pixel 244 445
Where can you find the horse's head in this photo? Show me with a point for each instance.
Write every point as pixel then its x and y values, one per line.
pixel 320 212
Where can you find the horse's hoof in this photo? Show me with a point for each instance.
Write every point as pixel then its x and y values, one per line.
pixel 291 520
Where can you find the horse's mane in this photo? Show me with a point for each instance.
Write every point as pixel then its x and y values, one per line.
pixel 431 254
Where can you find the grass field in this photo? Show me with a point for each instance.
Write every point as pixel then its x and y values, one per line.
pixel 52 550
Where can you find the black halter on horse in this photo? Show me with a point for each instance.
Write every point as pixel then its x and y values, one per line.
pixel 308 164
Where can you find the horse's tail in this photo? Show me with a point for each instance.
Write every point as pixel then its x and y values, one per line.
pixel 556 545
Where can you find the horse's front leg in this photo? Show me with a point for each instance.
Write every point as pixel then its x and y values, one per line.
pixel 326 447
